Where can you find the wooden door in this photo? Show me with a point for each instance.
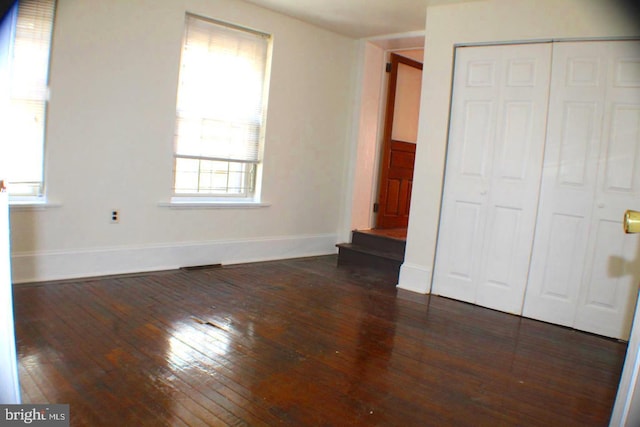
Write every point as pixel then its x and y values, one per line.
pixel 494 162
pixel 584 270
pixel 396 169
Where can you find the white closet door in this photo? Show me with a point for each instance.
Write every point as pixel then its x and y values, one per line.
pixel 493 171
pixel 568 183
pixel 610 283
pixel 584 269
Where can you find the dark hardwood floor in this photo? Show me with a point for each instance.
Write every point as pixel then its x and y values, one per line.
pixel 299 343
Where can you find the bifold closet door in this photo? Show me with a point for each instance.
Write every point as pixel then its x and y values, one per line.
pixel 492 178
pixel 584 270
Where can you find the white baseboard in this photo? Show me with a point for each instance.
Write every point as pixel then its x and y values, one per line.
pixel 58 265
pixel 414 278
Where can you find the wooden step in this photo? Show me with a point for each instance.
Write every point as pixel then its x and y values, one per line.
pixel 358 256
pixel 379 242
pixel 371 250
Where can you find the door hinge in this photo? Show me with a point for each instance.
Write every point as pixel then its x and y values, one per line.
pixel 388 68
pixel 376 207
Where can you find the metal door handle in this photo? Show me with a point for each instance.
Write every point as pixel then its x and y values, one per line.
pixel 631 222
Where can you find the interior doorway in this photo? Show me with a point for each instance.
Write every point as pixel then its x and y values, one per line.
pixel 400 136
pixel 365 168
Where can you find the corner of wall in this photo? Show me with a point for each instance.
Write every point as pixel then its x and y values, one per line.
pixel 415 278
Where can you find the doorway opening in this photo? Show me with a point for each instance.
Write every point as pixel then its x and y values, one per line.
pixel 387 132
pixel 382 165
pixel 400 135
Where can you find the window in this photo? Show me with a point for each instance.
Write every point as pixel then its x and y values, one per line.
pixel 25 42
pixel 220 110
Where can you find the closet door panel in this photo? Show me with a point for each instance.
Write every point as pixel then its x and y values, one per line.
pixel 568 183
pixel 583 269
pixel 493 170
pixel 469 164
pixel 612 269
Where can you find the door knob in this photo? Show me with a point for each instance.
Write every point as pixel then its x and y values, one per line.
pixel 631 222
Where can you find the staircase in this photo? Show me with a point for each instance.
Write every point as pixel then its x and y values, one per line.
pixel 373 249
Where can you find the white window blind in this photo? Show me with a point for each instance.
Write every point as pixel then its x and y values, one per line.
pixel 220 109
pixel 26 41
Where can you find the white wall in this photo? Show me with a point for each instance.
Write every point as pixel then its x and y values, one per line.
pixel 113 82
pixel 480 22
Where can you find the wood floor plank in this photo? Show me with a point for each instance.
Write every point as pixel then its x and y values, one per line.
pixel 295 343
pixel 147 334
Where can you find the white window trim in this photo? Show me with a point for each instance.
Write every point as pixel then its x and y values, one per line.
pixel 29 203
pixel 177 202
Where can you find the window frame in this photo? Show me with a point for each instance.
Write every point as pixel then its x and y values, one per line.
pixel 252 179
pixel 37 197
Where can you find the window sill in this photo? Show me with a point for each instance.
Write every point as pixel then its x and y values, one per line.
pixel 32 205
pixel 212 204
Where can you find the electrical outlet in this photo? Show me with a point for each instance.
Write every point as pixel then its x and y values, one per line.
pixel 115 216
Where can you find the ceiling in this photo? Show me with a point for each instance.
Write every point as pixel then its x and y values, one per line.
pixel 357 18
